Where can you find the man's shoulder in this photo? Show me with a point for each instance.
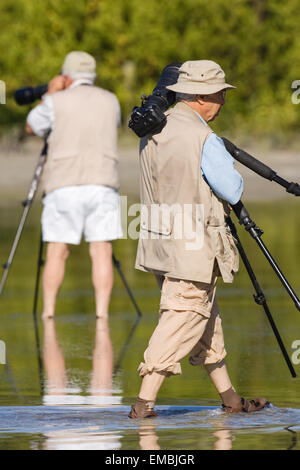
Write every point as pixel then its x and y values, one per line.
pixel 96 91
pixel 185 121
pixel 102 92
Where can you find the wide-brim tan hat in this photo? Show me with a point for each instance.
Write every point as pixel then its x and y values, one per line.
pixel 200 77
pixel 79 62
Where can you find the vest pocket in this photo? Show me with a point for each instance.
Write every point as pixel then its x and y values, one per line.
pixel 226 252
pixel 156 220
pixel 155 237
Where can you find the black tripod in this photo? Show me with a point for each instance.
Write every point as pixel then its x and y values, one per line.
pixel 256 233
pixel 243 216
pixel 260 298
pixel 27 204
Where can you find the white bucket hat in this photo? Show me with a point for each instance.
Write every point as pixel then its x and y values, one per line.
pixel 200 77
pixel 79 64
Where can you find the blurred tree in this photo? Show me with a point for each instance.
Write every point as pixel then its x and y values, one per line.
pixel 255 41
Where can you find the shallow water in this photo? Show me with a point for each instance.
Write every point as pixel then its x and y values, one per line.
pixel 177 427
pixel 72 401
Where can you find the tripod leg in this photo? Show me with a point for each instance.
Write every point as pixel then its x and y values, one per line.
pixel 11 377
pixel 278 272
pixel 37 281
pixel 260 297
pixel 118 266
pixel 279 340
pixel 256 232
pixel 35 302
pixel 27 204
pixel 7 265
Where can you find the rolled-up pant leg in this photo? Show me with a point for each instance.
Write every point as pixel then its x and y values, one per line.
pixel 180 332
pixel 210 348
pixel 174 337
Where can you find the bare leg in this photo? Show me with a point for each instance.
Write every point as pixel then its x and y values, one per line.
pixel 231 399
pixel 220 378
pixel 53 275
pixel 150 385
pixel 102 276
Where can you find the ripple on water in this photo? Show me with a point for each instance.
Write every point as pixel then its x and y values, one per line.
pixel 107 417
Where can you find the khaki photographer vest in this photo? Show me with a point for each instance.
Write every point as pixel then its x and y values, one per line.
pixel 82 147
pixel 170 182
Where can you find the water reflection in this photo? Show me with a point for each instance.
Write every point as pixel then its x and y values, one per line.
pixel 57 388
pixel 223 440
pixel 54 362
pixel 148 439
pixel 59 392
pixel 86 438
pixel 71 373
pixel 294 439
pixel 101 383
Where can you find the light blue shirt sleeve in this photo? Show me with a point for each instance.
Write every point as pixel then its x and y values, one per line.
pixel 218 170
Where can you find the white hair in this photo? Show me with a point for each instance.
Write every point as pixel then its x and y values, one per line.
pixel 82 75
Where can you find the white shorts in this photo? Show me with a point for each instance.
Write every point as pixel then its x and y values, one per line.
pixel 92 210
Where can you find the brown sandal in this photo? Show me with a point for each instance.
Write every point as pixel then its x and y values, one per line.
pixel 141 414
pixel 247 406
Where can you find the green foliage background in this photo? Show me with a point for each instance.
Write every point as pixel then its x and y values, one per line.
pixel 255 41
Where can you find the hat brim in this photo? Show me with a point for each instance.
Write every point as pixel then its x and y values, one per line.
pixel 199 88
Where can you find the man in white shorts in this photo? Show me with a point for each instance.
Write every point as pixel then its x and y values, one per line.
pixel 80 177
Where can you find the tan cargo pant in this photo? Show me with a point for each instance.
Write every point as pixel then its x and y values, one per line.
pixel 189 323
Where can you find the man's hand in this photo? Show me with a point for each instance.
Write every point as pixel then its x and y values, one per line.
pixel 56 84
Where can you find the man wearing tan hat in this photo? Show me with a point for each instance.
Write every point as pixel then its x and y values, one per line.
pixel 80 177
pixel 187 166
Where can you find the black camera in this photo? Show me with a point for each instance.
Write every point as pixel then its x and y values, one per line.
pixel 28 94
pixel 149 118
